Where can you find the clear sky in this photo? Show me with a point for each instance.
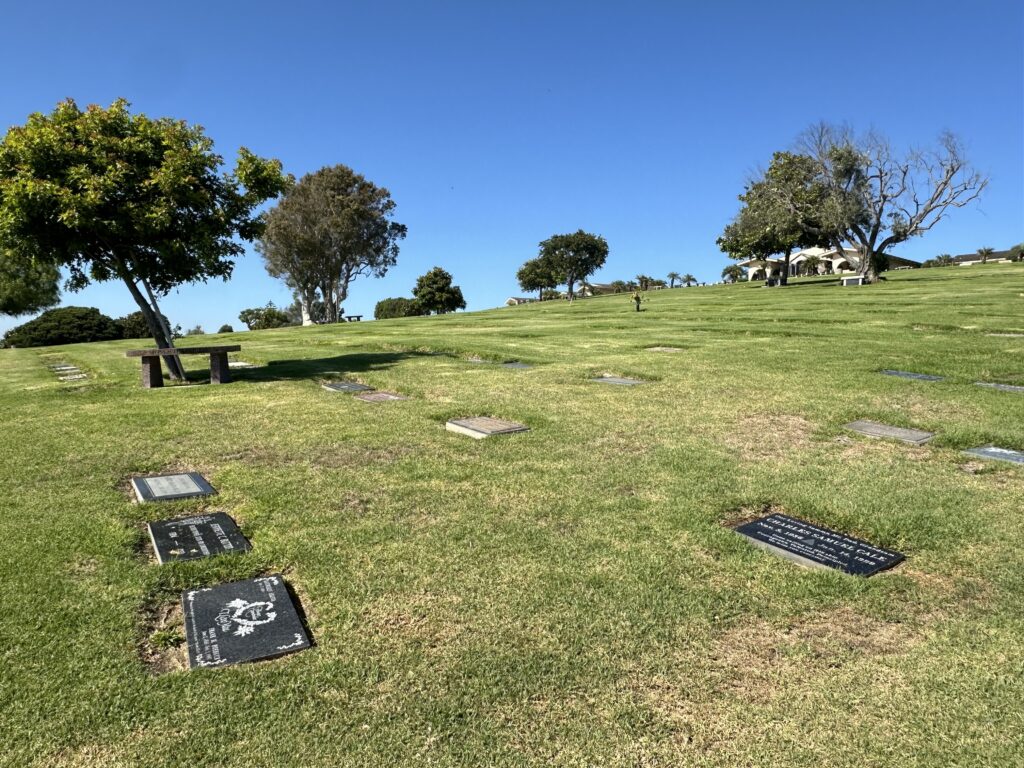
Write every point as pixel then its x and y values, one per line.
pixel 495 125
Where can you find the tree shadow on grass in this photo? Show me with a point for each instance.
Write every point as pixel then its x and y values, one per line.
pixel 313 368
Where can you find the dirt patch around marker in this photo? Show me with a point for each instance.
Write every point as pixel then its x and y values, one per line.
pixel 765 436
pixel 162 646
pixel 745 514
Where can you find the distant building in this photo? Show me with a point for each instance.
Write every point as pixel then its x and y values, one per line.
pixel 831 261
pixel 996 257
pixel 514 301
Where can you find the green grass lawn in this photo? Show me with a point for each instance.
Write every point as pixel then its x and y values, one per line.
pixel 569 596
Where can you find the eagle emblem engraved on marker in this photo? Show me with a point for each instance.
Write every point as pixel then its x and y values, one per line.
pixel 248 615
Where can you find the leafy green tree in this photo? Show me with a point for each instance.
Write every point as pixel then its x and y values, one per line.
pixel 985 253
pixel 767 224
pixel 64 325
pixel 811 265
pixel 1017 252
pixel 619 286
pixel 537 274
pixel 672 277
pixel 574 257
pixel 644 281
pixel 26 285
pixel 225 329
pixel 434 292
pixel 396 307
pixel 109 195
pixel 732 273
pixel 196 331
pixel 134 325
pixel 262 318
pixel 327 230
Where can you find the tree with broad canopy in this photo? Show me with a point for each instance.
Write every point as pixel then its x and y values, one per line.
pixel 111 195
pixel 574 257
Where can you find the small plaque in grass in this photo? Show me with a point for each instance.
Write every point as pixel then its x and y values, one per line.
pixel 347 386
pixel 379 397
pixel 1001 387
pixel 874 429
pixel 241 621
pixel 516 364
pixel 817 547
pixel 185 485
pixel 915 376
pixel 999 454
pixel 663 349
pixel 63 367
pixel 239 364
pixel 190 538
pixel 479 427
pixel 73 377
pixel 618 380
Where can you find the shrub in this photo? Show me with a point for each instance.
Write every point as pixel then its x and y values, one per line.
pixel 397 307
pixel 261 318
pixel 197 331
pixel 64 325
pixel 134 326
pixel 225 329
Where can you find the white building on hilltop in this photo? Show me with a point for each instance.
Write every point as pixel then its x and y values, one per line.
pixel 831 261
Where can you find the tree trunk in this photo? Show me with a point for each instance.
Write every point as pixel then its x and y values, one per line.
pixel 784 274
pixel 161 333
pixel 306 298
pixel 569 284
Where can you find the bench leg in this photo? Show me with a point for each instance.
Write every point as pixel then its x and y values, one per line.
pixel 152 375
pixel 220 373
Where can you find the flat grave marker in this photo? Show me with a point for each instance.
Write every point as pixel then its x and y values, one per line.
pixel 183 485
pixel 241 621
pixel 477 360
pixel 1007 335
pixel 240 364
pixel 998 454
pixel 1000 387
pixel 479 427
pixel 195 537
pixel 817 547
pixel 916 376
pixel 63 367
pixel 379 397
pixel 617 380
pixel 663 349
pixel 874 429
pixel 516 364
pixel 347 386
pixel 74 377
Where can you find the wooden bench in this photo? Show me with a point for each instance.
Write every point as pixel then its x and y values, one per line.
pixel 353 318
pixel 152 375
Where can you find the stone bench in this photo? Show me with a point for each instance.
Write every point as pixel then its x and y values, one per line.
pixel 353 318
pixel 152 375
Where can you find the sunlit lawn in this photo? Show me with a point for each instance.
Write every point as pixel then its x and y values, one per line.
pixel 567 596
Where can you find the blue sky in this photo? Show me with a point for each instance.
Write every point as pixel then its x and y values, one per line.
pixel 496 125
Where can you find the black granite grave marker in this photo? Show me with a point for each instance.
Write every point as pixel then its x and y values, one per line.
pixel 910 375
pixel 818 547
pixel 241 621
pixel 347 386
pixel 999 454
pixel 183 485
pixel 190 538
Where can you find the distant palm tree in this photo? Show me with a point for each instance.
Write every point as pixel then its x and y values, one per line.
pixel 672 277
pixel 733 273
pixel 643 281
pixel 943 260
pixel 689 280
pixel 811 264
pixel 985 253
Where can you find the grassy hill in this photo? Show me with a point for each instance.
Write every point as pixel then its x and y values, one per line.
pixel 568 596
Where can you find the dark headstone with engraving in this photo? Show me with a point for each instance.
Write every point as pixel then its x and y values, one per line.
pixel 916 376
pixel 347 386
pixel 185 485
pixel 818 547
pixel 999 454
pixel 190 538
pixel 241 621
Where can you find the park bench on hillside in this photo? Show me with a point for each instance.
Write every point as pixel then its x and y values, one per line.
pixel 152 375
pixel 353 318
